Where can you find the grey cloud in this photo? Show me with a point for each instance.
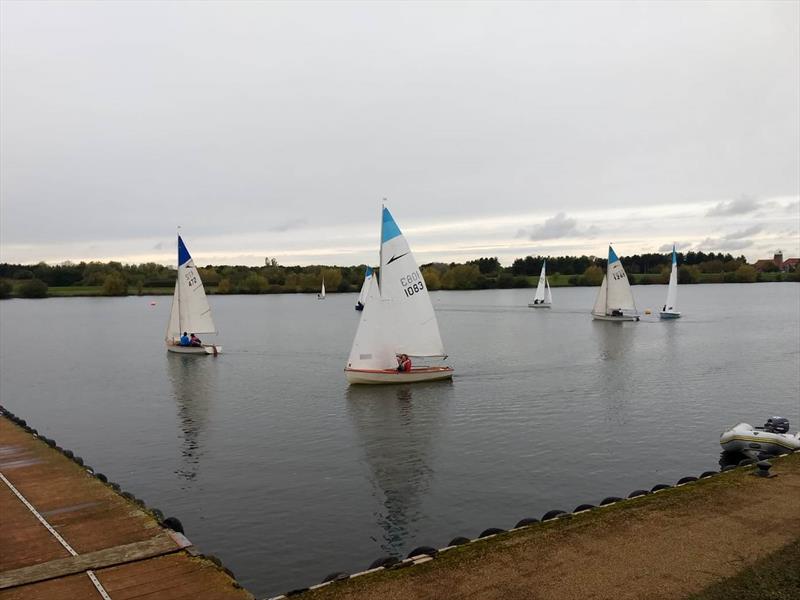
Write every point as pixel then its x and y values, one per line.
pixel 742 205
pixel 722 244
pixel 678 246
pixel 558 226
pixel 743 233
pixel 293 224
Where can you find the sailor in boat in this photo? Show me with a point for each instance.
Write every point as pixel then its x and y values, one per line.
pixel 185 341
pixel 403 363
pixel 195 341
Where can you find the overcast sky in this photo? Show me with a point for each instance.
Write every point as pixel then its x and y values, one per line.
pixel 494 129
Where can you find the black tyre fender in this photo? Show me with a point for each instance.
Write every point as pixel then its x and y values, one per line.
pixel 338 576
pixel 491 531
pixel 173 523
pixel 660 486
pixel 637 493
pixel 383 561
pixel 552 514
pixel 526 522
pixel 705 474
pixel 610 500
pixel 422 550
pixel 582 507
pixel 688 479
pixel 459 541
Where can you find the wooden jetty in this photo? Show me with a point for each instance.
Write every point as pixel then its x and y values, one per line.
pixel 66 534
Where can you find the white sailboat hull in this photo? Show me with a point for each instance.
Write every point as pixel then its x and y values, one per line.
pixel 670 314
pixel 389 376
pixel 203 350
pixel 540 305
pixel 745 438
pixel 615 317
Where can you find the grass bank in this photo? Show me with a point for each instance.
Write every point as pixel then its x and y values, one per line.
pixel 672 544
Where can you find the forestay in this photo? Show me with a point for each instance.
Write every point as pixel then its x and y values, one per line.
pixel 398 316
pixel 190 310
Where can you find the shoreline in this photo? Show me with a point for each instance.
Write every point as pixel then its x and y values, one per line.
pixel 97 291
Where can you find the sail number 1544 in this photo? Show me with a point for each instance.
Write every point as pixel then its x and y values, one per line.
pixel 412 283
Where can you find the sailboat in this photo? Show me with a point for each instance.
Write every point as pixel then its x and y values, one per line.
pixel 190 312
pixel 615 300
pixel 398 319
pixel 669 311
pixel 321 295
pixel 543 297
pixel 362 296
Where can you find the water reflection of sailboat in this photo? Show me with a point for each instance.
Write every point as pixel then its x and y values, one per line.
pixel 397 429
pixel 192 384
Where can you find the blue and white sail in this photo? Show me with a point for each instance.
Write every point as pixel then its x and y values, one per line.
pixel 615 297
pixel 190 310
pixel 362 296
pixel 398 316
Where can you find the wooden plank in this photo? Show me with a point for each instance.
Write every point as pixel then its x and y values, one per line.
pixel 91 560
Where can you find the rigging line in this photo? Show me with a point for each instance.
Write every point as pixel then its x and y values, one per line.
pixel 57 535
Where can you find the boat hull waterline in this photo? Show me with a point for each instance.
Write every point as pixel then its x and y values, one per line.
pixel 540 305
pixel 393 376
pixel 203 350
pixel 745 438
pixel 615 317
pixel 665 314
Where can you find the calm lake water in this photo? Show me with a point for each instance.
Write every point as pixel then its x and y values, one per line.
pixel 274 464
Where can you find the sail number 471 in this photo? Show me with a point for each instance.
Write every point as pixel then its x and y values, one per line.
pixel 190 278
pixel 412 283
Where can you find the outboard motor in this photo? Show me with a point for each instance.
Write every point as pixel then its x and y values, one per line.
pixel 777 425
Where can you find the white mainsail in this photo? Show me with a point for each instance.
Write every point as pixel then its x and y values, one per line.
pixel 362 296
pixel 190 311
pixel 398 316
pixel 322 291
pixel 543 295
pixel 615 292
pixel 672 290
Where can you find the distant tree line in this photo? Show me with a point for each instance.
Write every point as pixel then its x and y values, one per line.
pixel 118 279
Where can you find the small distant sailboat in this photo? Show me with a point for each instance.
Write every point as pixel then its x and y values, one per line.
pixel 321 295
pixel 543 297
pixel 670 308
pixel 362 296
pixel 615 300
pixel 397 320
pixel 190 312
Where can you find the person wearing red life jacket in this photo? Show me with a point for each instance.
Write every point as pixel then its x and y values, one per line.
pixel 403 363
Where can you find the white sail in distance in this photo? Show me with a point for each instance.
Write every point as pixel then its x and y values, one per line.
pixel 362 296
pixel 543 288
pixel 672 290
pixel 398 316
pixel 190 311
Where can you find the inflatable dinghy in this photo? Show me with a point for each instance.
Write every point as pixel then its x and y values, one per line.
pixel 773 438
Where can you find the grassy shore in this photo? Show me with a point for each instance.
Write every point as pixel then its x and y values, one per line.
pixel 712 538
pixel 556 280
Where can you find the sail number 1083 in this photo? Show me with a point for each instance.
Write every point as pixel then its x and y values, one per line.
pixel 412 283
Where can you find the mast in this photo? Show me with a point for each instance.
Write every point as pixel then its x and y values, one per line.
pixel 608 272
pixel 380 247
